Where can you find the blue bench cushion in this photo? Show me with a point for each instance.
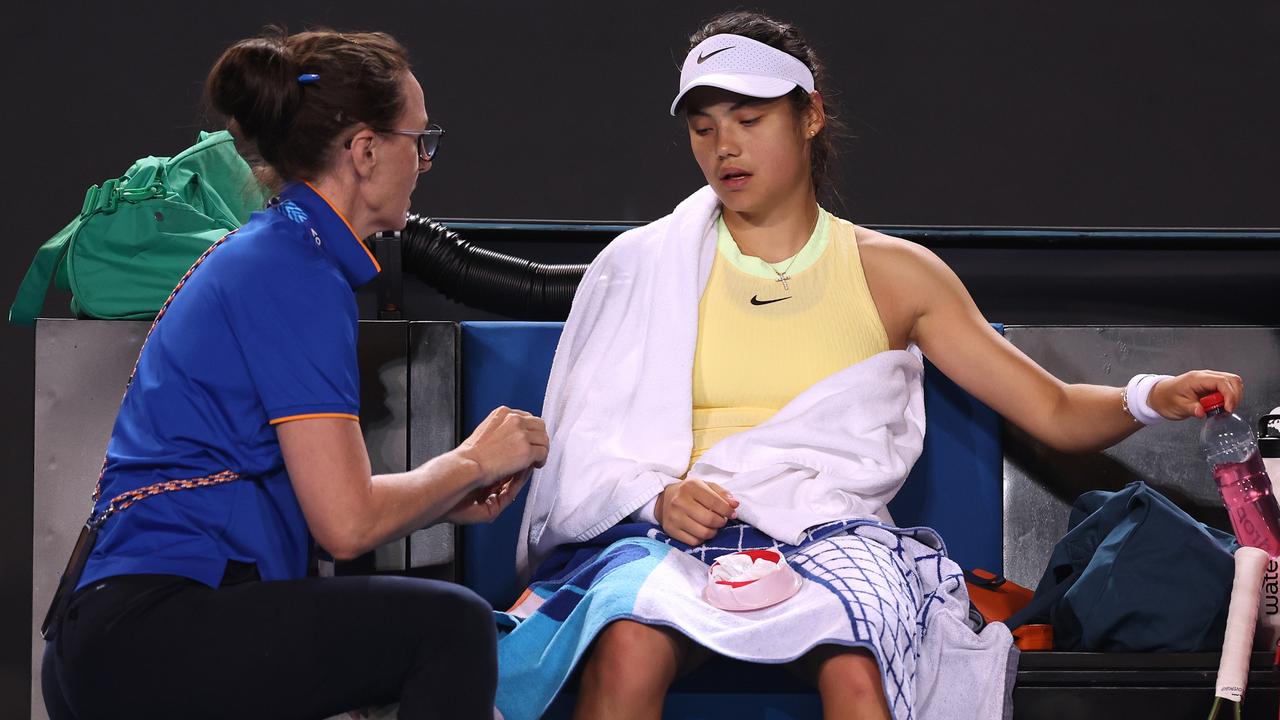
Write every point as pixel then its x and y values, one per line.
pixel 954 488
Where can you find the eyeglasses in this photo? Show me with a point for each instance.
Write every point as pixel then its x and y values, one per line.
pixel 428 140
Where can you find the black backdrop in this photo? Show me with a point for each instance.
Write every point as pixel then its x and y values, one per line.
pixel 1089 113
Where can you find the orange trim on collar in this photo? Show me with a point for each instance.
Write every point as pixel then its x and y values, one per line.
pixel 312 416
pixel 335 209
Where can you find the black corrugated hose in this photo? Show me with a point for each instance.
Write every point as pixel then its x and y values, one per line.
pixel 484 279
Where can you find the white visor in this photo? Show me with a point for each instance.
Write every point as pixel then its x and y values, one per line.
pixel 741 65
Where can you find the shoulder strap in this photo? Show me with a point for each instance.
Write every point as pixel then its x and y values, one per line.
pixel 30 298
pixel 125 499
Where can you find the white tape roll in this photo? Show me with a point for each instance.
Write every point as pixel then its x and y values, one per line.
pixel 1242 619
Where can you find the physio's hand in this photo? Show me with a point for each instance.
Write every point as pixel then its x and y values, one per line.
pixel 487 503
pixel 506 443
pixel 1179 398
pixel 692 511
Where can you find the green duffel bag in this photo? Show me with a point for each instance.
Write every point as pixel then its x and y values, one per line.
pixel 137 235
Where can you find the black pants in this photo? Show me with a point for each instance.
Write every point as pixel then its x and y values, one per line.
pixel 159 646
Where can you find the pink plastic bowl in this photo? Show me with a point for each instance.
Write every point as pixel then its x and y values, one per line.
pixel 770 589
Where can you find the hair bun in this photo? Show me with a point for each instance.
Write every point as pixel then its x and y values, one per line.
pixel 255 84
pixel 289 98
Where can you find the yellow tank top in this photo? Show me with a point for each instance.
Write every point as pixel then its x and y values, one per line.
pixel 760 344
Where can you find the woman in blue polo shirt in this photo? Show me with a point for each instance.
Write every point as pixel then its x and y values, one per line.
pixel 237 442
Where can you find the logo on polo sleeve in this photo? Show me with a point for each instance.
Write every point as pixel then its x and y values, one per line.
pixel 293 212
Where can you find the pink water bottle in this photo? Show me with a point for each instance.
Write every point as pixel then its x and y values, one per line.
pixel 1232 451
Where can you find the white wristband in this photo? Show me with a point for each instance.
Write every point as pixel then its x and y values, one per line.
pixel 1135 398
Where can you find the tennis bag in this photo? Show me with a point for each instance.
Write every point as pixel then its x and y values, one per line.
pixel 136 235
pixel 1134 573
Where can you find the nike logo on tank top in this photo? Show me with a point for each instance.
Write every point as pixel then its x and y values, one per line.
pixel 755 353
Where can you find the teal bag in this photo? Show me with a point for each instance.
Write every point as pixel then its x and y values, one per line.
pixel 138 234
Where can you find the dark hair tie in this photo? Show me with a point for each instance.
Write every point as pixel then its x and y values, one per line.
pixel 307 78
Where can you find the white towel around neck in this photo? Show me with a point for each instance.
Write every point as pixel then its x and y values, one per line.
pixel 619 407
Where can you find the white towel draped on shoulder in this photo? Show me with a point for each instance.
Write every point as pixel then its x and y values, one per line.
pixel 619 407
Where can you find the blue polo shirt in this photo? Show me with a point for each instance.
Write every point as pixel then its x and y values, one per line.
pixel 263 332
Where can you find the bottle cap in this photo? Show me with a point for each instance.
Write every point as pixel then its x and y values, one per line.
pixel 1211 401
